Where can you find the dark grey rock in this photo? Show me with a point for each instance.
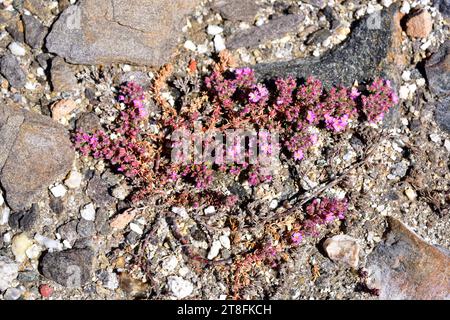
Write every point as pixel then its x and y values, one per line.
pixel 132 237
pixel 102 222
pixel 443 6
pixel 35 151
pixel 98 191
pixel 28 276
pixel 15 30
pixel 237 10
pixel 25 219
pixel 70 268
pixel 35 31
pixel 56 204
pixel 371 50
pixel 274 29
pixel 68 231
pixel 44 60
pixel 442 114
pixel 142 32
pixel 86 228
pixel 62 76
pixel 318 37
pixel 438 71
pixel 332 17
pixel 12 71
pixel 403 266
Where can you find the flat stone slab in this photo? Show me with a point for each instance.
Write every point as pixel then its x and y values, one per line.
pixel 35 151
pixel 370 51
pixel 404 266
pixel 119 31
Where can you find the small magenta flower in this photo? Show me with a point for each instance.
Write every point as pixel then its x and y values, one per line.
pixel 354 94
pixel 311 116
pixel 298 155
pixel 296 238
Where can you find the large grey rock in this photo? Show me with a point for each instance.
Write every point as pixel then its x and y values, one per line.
pixel 35 151
pixel 438 70
pixel 70 268
pixel 110 31
pixel 12 71
pixel 404 266
pixel 372 49
pixel 274 29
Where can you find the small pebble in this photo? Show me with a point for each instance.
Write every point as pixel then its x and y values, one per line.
pixel 214 251
pixel 58 191
pixel 179 287
pixel 225 241
pixel 210 210
pixel 435 138
pixel 45 290
pixel 214 30
pixel 88 212
pixel 17 49
pixel 12 294
pixel 219 43
pixel 190 45
pixel 411 194
pixel 50 244
pixel 136 228
pixel 73 180
pixel 405 7
pixel 19 246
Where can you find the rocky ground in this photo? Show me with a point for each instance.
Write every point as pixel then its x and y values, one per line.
pixel 68 229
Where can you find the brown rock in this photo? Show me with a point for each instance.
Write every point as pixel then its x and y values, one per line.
pixel 63 108
pixel 342 248
pixel 404 266
pixel 419 24
pixel 122 220
pixel 62 76
pixel 34 153
pixel 110 31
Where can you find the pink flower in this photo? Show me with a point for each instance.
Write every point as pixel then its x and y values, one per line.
pixel 354 93
pixel 311 116
pixel 296 238
pixel 298 155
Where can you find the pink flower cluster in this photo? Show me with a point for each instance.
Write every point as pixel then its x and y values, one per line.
pixel 381 97
pixel 124 151
pixel 319 212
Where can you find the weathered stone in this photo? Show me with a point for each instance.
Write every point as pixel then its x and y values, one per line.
pixel 8 272
pixel 97 190
pixel 34 153
pixel 71 268
pixel 25 219
pixel 318 36
pixel 35 31
pixel 62 76
pixel 438 70
pixel 68 231
pixel 404 266
pixel 12 71
pixel 16 30
pixel 372 49
pixel 443 6
pixel 237 10
pixel 111 31
pixel 419 24
pixel 86 228
pixel 88 122
pixel 342 248
pixel 442 114
pixel 39 7
pixel 274 29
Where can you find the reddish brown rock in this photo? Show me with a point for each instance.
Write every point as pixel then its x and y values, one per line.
pixel 419 24
pixel 404 266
